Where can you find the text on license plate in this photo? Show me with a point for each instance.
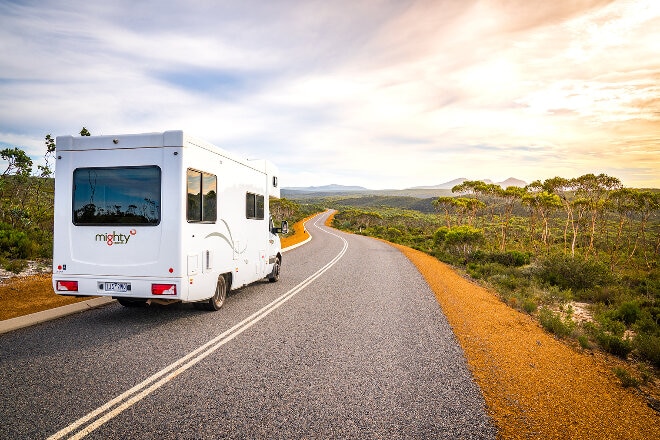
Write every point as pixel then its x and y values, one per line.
pixel 117 287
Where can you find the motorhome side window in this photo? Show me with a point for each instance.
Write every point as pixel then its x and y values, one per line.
pixel 254 206
pixel 202 197
pixel 116 196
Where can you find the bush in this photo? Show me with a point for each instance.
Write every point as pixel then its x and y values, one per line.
pixel 484 271
pixel 14 266
pixel 648 347
pixel 627 380
pixel 556 295
pixel 510 258
pixel 614 344
pixel 628 313
pixel 440 235
pixel 584 341
pixel 529 306
pixel 554 323
pixel 607 324
pixel 15 244
pixel 573 273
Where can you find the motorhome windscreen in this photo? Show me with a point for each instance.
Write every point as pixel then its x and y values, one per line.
pixel 117 196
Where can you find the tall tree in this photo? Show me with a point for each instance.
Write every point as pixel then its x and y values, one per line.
pixel 446 204
pixel 543 204
pixel 593 190
pixel 562 188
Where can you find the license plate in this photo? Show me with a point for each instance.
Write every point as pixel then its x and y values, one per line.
pixel 117 287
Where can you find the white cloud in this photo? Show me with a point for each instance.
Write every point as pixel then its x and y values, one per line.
pixel 377 93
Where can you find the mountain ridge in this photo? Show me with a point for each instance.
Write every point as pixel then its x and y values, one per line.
pixel 332 188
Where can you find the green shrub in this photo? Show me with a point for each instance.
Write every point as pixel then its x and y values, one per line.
pixel 607 324
pixel 600 294
pixel 647 323
pixel 648 347
pixel 440 235
pixel 510 258
pixel 584 341
pixel 573 273
pixel 15 244
pixel 627 380
pixel 529 306
pixel 628 312
pixel 14 266
pixel 554 323
pixel 614 344
pixel 484 271
pixel 554 294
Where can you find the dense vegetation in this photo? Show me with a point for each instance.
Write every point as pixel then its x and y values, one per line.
pixel 26 209
pixel 549 249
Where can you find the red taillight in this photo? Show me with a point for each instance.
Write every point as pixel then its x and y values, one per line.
pixel 163 289
pixel 67 286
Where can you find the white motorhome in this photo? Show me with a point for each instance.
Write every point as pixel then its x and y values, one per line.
pixel 161 217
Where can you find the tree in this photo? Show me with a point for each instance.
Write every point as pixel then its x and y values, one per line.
pixel 562 187
pixel 85 132
pixel 593 190
pixel 462 239
pixel 283 208
pixel 511 195
pixel 646 204
pixel 445 203
pixel 18 162
pixel 623 202
pixel 542 203
pixel 45 170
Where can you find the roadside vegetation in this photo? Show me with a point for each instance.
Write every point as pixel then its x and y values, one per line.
pixel 581 255
pixel 26 208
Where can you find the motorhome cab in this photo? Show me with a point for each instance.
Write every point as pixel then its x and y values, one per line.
pixel 161 217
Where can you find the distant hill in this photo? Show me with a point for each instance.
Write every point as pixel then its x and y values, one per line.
pixel 420 192
pixel 511 181
pixel 446 185
pixel 327 188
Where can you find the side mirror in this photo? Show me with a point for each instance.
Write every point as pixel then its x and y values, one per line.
pixel 283 229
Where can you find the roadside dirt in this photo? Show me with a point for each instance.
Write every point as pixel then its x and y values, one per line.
pixel 22 295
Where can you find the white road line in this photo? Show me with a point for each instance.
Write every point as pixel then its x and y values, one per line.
pixel 116 406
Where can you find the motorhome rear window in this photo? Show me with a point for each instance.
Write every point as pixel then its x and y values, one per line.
pixel 117 196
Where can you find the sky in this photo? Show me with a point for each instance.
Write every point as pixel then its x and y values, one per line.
pixel 385 94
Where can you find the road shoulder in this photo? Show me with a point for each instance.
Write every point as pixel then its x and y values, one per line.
pixel 534 385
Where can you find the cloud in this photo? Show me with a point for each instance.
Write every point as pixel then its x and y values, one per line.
pixel 381 93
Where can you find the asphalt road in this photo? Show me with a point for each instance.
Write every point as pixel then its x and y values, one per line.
pixel 350 343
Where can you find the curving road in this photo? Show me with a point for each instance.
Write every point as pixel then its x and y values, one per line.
pixel 350 343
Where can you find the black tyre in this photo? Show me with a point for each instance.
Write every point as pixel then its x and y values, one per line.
pixel 275 274
pixel 218 299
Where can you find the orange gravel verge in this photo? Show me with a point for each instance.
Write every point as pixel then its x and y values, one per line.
pixel 300 234
pixel 24 295
pixel 534 385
